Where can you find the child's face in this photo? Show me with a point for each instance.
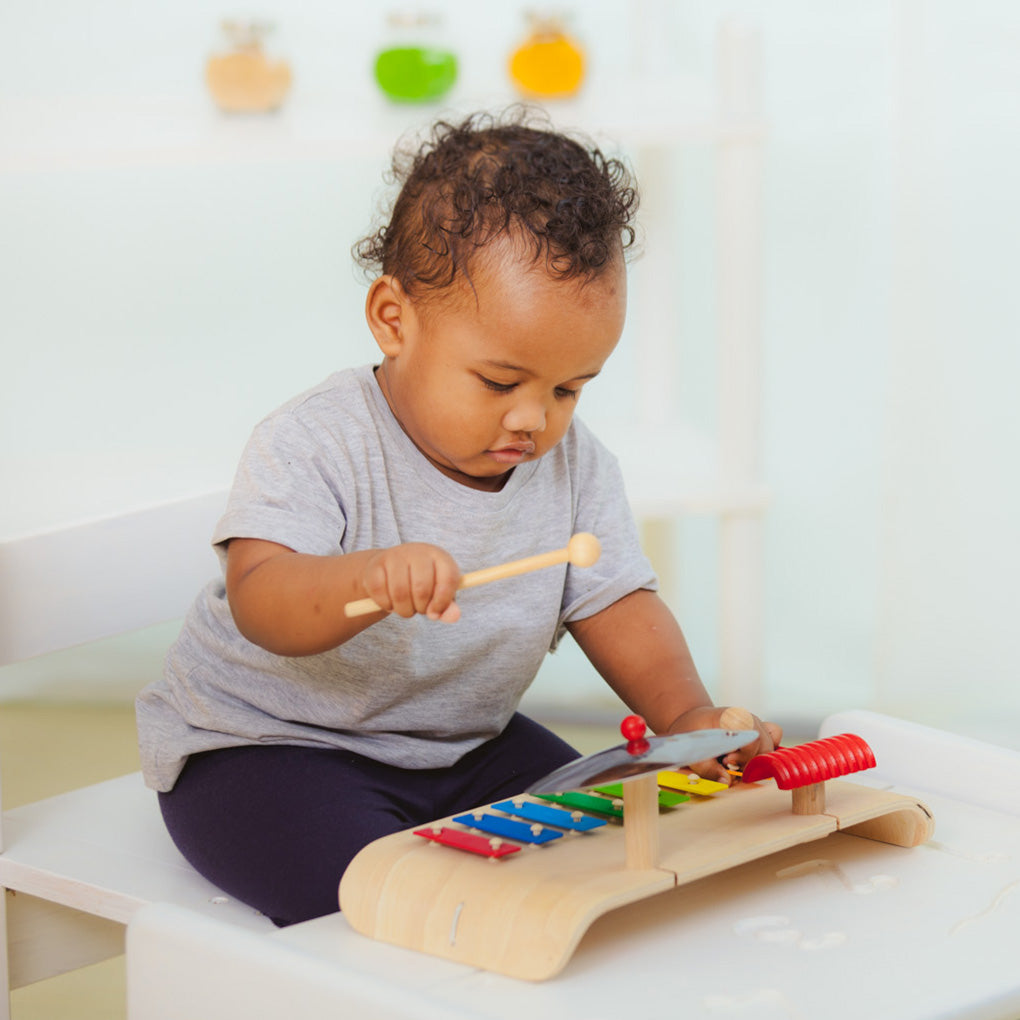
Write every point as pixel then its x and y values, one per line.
pixel 486 379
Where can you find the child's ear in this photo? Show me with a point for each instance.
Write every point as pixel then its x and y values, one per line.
pixel 386 309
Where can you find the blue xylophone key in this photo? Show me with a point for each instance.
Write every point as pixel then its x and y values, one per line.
pixel 547 815
pixel 498 825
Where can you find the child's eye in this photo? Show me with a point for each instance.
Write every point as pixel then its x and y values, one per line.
pixel 498 387
pixel 565 394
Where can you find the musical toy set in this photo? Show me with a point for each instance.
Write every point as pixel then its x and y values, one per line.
pixel 512 886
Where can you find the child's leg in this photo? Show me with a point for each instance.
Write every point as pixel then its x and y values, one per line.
pixel 276 826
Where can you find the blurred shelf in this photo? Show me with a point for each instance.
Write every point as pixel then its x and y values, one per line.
pixel 673 470
pixel 95 132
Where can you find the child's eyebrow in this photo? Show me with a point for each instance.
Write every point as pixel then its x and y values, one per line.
pixel 509 366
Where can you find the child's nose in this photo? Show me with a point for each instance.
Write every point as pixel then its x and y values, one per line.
pixel 525 416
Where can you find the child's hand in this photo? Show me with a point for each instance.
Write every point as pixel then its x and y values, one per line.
pixel 708 718
pixel 414 578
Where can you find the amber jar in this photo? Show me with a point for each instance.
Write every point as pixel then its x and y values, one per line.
pixel 242 77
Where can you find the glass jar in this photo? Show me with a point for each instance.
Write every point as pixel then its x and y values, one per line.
pixel 548 64
pixel 414 66
pixel 242 78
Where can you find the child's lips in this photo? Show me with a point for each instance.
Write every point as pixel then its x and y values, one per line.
pixel 512 453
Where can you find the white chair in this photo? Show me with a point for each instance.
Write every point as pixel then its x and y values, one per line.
pixel 74 868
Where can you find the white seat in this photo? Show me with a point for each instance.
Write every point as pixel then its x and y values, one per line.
pixel 182 966
pixel 76 867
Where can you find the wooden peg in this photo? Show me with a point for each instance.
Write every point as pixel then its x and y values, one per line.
pixel 809 800
pixel 641 822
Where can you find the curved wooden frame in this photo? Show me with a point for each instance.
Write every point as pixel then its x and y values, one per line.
pixel 523 916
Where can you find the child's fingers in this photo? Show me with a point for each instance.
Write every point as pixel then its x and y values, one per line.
pixel 710 769
pixel 451 614
pixel 422 587
pixel 376 580
pixel 399 585
pixel 429 590
pixel 390 583
pixel 414 578
pixel 442 605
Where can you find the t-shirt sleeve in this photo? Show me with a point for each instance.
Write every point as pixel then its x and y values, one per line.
pixel 284 492
pixel 602 509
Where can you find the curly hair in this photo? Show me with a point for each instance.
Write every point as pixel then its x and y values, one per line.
pixel 494 176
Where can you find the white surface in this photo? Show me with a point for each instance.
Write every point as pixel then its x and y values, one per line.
pixel 841 928
pixel 104 849
pixel 255 977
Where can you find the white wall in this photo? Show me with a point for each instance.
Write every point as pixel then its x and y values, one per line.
pixel 946 632
pixel 892 435
pixel 151 311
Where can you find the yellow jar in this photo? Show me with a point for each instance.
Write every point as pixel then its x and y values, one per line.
pixel 243 79
pixel 549 64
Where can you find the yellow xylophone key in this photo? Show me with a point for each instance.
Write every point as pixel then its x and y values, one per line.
pixel 688 782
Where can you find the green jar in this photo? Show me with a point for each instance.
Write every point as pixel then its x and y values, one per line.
pixel 413 74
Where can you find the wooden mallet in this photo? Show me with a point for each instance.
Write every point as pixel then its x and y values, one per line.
pixel 582 551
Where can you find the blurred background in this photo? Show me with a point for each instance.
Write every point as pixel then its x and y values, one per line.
pixel 170 272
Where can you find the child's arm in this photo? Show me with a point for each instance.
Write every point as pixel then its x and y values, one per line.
pixel 638 648
pixel 293 604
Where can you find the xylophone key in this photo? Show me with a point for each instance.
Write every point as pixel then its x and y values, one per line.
pixel 585 802
pixel 689 783
pixel 500 825
pixel 667 798
pixel 546 815
pixel 468 841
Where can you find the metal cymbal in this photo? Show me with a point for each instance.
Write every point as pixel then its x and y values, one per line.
pixel 638 757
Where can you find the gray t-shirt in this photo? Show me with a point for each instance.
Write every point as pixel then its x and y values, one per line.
pixel 332 472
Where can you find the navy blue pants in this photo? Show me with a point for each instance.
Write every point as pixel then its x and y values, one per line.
pixel 275 826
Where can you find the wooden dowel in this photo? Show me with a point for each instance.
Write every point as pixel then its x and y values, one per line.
pixel 641 822
pixel 809 800
pixel 582 551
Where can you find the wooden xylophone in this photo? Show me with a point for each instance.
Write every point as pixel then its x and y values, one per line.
pixel 512 886
pixel 511 825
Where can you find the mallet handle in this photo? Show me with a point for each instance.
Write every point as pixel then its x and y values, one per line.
pixel 362 607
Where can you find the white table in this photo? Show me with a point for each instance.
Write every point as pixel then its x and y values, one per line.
pixel 840 928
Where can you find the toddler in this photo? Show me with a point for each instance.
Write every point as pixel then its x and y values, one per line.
pixel 284 736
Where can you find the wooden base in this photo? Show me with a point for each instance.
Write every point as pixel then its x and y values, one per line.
pixel 523 916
